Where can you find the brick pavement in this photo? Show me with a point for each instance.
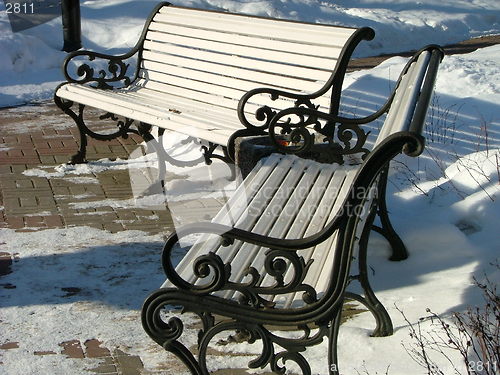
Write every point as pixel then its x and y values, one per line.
pixel 40 137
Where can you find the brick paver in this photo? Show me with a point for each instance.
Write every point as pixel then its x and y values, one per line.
pixel 42 137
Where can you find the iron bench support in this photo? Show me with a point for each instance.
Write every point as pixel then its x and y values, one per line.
pixel 210 291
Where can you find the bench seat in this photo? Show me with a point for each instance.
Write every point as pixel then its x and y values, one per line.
pixel 159 109
pixel 284 197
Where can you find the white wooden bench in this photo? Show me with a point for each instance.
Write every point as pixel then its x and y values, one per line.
pixel 279 252
pixel 193 67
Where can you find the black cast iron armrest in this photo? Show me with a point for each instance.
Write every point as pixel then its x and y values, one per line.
pixel 117 67
pixel 265 113
pixel 88 71
pixel 212 264
pixel 344 134
pixel 300 127
pixel 293 121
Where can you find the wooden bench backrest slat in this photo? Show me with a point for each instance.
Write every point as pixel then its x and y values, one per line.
pixel 249 25
pixel 189 57
pixel 166 40
pixel 187 93
pixel 405 98
pixel 227 55
pixel 224 76
pixel 205 93
pixel 199 35
pixel 199 113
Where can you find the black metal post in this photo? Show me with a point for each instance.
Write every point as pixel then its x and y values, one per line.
pixel 72 31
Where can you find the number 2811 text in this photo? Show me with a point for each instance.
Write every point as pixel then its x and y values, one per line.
pixel 19 8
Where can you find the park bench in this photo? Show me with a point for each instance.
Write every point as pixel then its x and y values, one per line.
pixel 195 71
pixel 278 255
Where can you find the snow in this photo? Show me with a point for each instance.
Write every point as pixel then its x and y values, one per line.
pixel 445 204
pixel 31 59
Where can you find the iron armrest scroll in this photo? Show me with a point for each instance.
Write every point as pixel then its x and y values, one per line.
pixel 264 114
pixel 296 130
pixel 116 70
pixel 214 274
pixel 89 71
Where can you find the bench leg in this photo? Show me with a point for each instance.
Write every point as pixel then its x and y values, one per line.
pixel 209 154
pixel 399 251
pixel 123 128
pixel 65 106
pixel 166 334
pixel 383 320
pixel 333 363
pixel 277 350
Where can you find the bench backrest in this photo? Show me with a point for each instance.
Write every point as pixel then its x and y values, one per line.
pixel 204 54
pixel 412 94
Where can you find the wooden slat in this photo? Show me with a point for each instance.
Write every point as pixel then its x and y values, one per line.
pixel 329 51
pixel 403 105
pixel 287 57
pixel 213 109
pixel 228 215
pixel 234 213
pixel 188 107
pixel 189 94
pixel 195 86
pixel 208 93
pixel 258 197
pixel 229 76
pixel 320 271
pixel 230 23
pixel 141 103
pixel 204 61
pixel 326 205
pixel 305 196
pixel 295 218
pixel 185 106
pixel 249 254
pixel 411 92
pixel 209 98
pixel 317 208
pixel 194 129
pixel 309 87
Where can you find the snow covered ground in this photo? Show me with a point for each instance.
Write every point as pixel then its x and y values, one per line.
pixel 30 61
pixel 445 204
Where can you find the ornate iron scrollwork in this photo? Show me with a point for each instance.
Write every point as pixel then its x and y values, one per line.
pixel 303 129
pixel 214 275
pixel 116 70
pixel 276 349
pixel 291 132
pixel 265 114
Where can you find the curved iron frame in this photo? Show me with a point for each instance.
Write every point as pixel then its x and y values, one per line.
pixel 254 314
